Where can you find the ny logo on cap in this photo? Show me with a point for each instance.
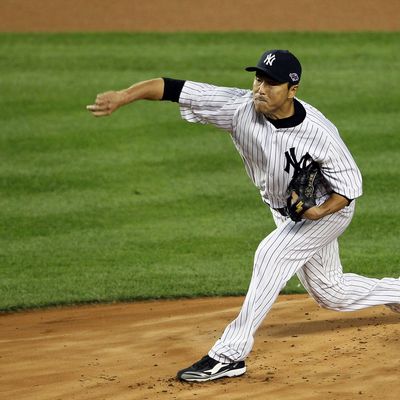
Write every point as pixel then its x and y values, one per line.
pixel 269 60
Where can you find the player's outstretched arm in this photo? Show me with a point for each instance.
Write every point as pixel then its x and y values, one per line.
pixel 106 103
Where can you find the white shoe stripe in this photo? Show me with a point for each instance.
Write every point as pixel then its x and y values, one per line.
pixel 216 368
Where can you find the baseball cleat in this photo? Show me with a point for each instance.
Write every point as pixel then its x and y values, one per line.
pixel 208 369
pixel 394 307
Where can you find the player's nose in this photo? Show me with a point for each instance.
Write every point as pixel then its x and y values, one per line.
pixel 261 88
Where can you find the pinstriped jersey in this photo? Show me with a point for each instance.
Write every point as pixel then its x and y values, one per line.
pixel 271 152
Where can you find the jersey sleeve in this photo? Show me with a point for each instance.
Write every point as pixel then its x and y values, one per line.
pixel 209 104
pixel 341 170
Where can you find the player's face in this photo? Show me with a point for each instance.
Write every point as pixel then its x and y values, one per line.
pixel 272 98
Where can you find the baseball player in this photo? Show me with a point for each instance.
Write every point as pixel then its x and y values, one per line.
pixel 276 134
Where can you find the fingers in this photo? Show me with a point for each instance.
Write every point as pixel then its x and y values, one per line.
pixel 294 196
pixel 98 111
pixel 103 105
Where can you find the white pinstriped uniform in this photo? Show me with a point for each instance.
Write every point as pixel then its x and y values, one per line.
pixel 308 248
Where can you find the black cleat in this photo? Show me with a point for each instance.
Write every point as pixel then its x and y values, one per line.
pixel 208 369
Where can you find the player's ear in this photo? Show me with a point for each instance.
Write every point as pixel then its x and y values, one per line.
pixel 292 91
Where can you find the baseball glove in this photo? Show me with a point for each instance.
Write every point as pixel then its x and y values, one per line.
pixel 302 190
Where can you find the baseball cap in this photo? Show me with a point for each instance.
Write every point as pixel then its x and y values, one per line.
pixel 280 65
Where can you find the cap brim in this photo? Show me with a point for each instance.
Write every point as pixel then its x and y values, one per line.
pixel 261 71
pixel 252 69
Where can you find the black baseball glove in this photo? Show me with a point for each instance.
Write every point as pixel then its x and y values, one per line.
pixel 302 190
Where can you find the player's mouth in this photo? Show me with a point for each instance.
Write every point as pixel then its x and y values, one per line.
pixel 260 99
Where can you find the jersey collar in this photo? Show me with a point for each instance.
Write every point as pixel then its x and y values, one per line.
pixel 296 119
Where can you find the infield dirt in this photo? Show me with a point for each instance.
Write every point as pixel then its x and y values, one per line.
pixel 133 351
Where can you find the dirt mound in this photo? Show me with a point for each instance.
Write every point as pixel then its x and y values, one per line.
pixel 133 351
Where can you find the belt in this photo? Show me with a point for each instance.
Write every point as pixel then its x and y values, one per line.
pixel 282 211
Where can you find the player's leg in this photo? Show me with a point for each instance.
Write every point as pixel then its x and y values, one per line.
pixel 277 259
pixel 323 278
pixel 268 278
pixel 279 256
pixel 270 273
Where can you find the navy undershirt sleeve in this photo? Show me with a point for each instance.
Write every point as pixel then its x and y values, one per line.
pixel 172 89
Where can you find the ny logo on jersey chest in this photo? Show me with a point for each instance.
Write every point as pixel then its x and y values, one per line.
pixel 291 160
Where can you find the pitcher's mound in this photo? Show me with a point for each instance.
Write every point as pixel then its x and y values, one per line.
pixel 133 351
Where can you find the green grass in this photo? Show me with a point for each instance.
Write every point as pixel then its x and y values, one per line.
pixel 144 205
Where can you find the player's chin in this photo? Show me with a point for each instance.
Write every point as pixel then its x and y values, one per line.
pixel 261 107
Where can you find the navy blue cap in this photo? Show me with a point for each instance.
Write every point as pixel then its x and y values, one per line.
pixel 280 65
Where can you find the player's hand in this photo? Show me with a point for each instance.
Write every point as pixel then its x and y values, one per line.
pixel 106 103
pixel 312 213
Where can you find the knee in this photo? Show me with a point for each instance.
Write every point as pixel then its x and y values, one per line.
pixel 333 298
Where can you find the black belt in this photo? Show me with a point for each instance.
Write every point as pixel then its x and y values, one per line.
pixel 282 211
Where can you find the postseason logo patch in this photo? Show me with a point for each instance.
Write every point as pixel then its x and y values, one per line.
pixel 294 77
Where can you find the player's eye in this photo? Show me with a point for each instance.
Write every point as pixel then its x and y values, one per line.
pixel 271 82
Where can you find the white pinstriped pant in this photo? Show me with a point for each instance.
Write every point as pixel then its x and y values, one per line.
pixel 310 249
